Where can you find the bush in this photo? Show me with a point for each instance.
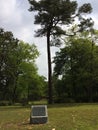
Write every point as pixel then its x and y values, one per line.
pixel 64 100
pixel 24 101
pixel 5 103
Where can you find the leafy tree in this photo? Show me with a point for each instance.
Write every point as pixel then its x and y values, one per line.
pixel 38 88
pixel 51 15
pixel 17 59
pixel 8 49
pixel 26 68
pixel 77 64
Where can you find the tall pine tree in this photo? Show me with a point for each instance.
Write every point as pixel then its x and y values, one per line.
pixel 51 15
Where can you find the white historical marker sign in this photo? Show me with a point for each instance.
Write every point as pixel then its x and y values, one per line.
pixel 38 114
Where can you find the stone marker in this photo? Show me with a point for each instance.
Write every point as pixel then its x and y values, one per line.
pixel 38 114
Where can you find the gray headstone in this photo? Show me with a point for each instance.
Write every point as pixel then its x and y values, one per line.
pixel 38 114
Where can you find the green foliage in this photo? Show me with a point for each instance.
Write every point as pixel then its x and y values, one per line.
pixel 77 65
pixel 19 79
pixel 8 64
pixel 52 14
pixel 28 52
pixel 85 8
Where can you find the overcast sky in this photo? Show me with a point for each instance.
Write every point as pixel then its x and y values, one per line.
pixel 15 17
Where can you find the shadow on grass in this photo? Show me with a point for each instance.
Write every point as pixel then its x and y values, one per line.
pixel 28 124
pixel 25 124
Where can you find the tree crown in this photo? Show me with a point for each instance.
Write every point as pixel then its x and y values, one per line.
pixel 51 14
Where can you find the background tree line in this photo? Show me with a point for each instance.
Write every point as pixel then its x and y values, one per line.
pixel 19 78
pixel 75 77
pixel 76 70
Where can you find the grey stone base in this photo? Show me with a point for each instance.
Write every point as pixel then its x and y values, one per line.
pixel 38 120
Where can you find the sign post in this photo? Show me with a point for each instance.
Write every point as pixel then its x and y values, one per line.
pixel 38 114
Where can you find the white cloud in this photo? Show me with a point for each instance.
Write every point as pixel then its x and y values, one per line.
pixel 7 8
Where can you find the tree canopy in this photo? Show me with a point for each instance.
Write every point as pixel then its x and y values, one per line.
pixel 76 66
pixel 19 78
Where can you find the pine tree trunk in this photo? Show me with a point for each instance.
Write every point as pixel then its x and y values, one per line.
pixel 50 99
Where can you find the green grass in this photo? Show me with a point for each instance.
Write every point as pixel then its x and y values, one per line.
pixel 60 117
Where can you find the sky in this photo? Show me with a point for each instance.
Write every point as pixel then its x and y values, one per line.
pixel 15 17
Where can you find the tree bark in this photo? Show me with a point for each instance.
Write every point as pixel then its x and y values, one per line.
pixel 50 98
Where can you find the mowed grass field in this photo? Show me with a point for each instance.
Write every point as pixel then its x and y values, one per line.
pixel 60 117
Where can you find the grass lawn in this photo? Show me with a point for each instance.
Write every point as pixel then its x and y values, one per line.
pixel 61 117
